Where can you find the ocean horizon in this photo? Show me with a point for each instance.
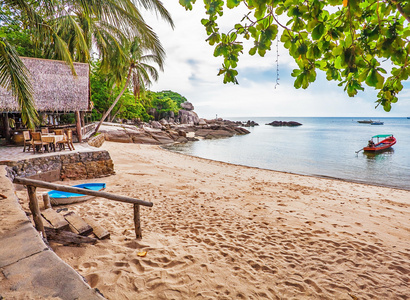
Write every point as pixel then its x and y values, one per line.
pixel 322 146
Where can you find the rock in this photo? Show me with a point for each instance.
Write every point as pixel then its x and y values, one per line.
pixel 162 137
pixel 144 138
pixel 187 117
pixel 249 124
pixel 202 122
pixel 187 106
pixel 284 123
pixel 119 136
pixel 156 124
pixel 97 141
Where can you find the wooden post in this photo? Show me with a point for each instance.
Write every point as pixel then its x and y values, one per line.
pixel 78 124
pixel 35 209
pixel 82 117
pixel 46 200
pixel 137 222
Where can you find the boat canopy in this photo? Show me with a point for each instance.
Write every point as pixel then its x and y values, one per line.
pixel 381 136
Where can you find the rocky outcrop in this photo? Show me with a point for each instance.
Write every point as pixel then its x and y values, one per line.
pixel 284 123
pixel 249 123
pixel 186 115
pixel 164 132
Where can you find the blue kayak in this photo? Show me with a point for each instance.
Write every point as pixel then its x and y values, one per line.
pixel 59 197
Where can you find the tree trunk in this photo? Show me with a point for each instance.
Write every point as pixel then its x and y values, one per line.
pixel 6 127
pixel 116 113
pixel 115 101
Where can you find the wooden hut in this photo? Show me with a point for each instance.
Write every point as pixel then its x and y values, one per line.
pixel 56 91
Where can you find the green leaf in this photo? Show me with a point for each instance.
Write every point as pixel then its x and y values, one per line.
pixel 187 4
pixel 232 3
pixel 298 82
pixel 221 71
pixel 213 39
pixel 302 49
pixel 375 79
pixel 318 31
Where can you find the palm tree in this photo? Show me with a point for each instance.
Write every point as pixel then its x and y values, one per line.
pixel 65 30
pixel 133 62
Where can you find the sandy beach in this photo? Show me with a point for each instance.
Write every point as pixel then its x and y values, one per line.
pixel 221 231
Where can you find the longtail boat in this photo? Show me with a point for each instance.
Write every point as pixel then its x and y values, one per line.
pixel 387 141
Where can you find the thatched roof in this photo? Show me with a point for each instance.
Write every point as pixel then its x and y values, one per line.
pixel 55 87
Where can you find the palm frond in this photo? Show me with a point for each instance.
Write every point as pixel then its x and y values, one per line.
pixel 14 77
pixel 158 7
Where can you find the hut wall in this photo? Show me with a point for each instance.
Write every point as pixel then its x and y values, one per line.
pixel 55 86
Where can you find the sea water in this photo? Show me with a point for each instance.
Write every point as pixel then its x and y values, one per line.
pixel 323 147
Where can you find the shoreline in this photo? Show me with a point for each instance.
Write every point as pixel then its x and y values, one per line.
pixel 224 231
pixel 290 173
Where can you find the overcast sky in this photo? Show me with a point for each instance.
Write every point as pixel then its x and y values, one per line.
pixel 191 70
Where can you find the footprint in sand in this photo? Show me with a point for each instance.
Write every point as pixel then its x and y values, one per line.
pixel 92 280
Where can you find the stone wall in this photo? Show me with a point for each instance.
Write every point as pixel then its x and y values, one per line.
pixel 81 165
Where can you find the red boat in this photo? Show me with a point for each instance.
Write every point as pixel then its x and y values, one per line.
pixel 388 141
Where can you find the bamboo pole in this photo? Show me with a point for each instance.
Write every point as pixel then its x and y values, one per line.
pixel 137 221
pixel 35 209
pixel 70 189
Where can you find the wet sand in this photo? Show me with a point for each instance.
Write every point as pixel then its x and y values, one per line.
pixel 221 231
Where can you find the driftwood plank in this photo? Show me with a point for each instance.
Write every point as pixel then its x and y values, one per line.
pixel 68 238
pixel 56 220
pixel 46 223
pixel 98 230
pixel 77 224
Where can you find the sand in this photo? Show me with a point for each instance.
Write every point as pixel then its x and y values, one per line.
pixel 221 231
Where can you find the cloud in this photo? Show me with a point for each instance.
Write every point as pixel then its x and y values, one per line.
pixel 191 70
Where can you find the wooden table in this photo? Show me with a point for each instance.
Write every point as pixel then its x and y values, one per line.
pixel 52 139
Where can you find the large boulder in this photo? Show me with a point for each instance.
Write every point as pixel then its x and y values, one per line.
pixel 188 117
pixel 187 106
pixel 119 136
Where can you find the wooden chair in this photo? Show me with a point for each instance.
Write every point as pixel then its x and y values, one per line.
pixel 27 141
pixel 44 130
pixel 68 140
pixel 37 141
pixel 59 131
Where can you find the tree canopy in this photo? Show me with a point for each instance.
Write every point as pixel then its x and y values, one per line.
pixel 356 43
pixel 68 30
